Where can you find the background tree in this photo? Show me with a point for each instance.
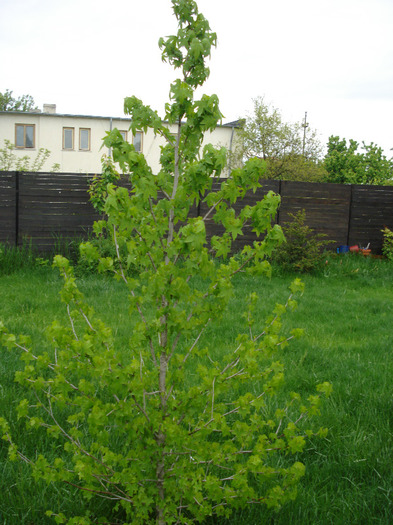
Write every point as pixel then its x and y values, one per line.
pixel 288 153
pixel 345 164
pixel 23 103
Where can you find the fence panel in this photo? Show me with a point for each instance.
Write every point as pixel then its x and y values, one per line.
pixel 327 207
pixel 8 206
pixel 54 207
pixel 372 209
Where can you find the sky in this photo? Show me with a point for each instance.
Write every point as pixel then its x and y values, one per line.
pixel 330 58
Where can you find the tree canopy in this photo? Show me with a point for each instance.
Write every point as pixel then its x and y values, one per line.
pixel 290 150
pixel 10 103
pixel 345 164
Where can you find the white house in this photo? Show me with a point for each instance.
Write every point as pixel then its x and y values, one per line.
pixel 75 141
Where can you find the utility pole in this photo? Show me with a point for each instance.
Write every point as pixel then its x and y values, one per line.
pixel 304 126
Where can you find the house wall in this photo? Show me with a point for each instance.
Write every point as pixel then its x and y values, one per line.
pixel 49 135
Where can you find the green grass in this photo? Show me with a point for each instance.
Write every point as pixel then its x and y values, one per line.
pixel 347 314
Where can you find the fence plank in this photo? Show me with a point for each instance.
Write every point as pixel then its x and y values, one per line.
pixel 8 207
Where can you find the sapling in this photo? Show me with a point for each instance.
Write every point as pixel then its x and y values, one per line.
pixel 168 429
pixel 304 249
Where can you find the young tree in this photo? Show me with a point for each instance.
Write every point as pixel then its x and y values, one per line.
pixel 345 164
pixel 289 153
pixel 303 250
pixel 23 103
pixel 168 429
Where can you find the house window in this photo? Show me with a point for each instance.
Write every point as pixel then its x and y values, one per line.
pixel 68 138
pixel 84 139
pixel 123 134
pixel 137 141
pixel 25 135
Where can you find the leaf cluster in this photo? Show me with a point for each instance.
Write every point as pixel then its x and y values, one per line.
pixel 98 186
pixel 191 46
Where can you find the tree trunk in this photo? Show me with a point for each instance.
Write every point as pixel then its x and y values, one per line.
pixel 160 436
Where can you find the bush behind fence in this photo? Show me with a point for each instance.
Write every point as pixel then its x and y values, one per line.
pixel 43 208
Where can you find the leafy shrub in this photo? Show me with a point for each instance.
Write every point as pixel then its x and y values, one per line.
pixel 101 242
pixel 303 250
pixel 9 161
pixel 387 246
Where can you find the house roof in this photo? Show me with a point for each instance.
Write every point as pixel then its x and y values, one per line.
pixel 63 115
pixel 234 124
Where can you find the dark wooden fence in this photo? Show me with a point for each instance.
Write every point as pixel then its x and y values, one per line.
pixel 46 208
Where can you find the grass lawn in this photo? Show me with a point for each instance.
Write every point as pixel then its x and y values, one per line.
pixel 347 314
